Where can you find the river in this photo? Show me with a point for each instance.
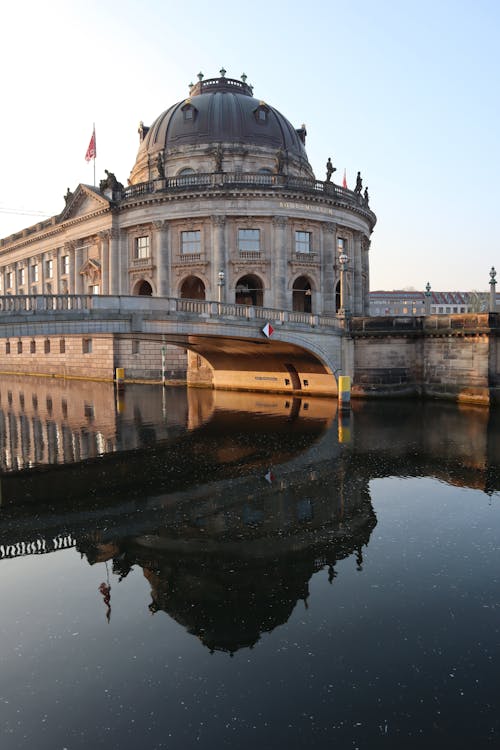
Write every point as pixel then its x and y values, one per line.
pixel 196 569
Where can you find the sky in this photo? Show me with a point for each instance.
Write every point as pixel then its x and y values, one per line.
pixel 405 92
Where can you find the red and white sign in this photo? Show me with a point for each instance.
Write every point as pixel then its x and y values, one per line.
pixel 268 330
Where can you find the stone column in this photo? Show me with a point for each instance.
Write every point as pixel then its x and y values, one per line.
pixel 279 297
pixel 69 250
pixel 365 259
pixel 357 275
pixel 118 263
pixel 328 265
pixel 162 258
pixel 78 265
pixel 105 262
pixel 219 258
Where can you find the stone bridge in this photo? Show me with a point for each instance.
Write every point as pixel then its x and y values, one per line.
pixel 302 351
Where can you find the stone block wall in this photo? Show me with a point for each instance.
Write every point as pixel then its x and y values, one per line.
pixel 455 359
pixel 142 359
pixel 59 356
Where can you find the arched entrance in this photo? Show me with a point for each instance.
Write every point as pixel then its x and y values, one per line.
pixel 301 296
pixel 249 291
pixel 193 288
pixel 143 288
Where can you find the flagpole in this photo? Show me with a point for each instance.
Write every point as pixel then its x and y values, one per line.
pixel 95 150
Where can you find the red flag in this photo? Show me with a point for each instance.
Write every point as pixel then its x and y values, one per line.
pixel 91 151
pixel 344 181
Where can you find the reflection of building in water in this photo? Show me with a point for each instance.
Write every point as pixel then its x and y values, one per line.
pixel 48 421
pixel 233 565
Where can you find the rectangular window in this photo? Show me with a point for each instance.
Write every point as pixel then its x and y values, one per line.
pixel 62 346
pixel 49 268
pixel 303 242
pixel 341 245
pixel 190 242
pixel 87 346
pixel 142 247
pixel 65 264
pixel 10 280
pixel 249 240
pixel 94 289
pixel 34 272
pixel 21 275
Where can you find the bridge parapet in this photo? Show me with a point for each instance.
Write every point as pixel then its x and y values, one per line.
pixel 129 305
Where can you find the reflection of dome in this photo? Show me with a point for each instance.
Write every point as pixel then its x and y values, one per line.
pixel 221 110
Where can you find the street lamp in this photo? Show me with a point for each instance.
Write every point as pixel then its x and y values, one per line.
pixel 427 299
pixel 493 293
pixel 221 283
pixel 343 260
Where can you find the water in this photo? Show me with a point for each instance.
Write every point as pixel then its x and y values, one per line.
pixel 186 570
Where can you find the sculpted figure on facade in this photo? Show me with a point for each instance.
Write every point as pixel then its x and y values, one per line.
pixel 159 166
pixel 280 161
pixel 218 156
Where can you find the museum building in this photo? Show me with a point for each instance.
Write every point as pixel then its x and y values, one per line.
pixel 221 204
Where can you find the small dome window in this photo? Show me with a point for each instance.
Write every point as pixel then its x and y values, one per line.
pixel 189 111
pixel 261 113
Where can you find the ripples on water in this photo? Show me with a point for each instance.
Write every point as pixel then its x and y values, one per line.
pixel 198 569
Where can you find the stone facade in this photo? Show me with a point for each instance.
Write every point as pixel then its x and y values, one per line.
pixel 221 204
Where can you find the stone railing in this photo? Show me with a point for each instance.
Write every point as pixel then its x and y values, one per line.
pixel 231 180
pixel 30 305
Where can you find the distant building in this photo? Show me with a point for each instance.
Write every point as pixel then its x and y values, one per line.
pixel 412 303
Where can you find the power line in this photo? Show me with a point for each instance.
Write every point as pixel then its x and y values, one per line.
pixel 21 212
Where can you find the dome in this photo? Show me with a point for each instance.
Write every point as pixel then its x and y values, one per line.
pixel 220 112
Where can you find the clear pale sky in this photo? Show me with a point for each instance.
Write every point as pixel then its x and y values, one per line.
pixel 405 92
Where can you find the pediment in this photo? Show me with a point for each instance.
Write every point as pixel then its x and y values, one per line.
pixel 84 201
pixel 92 269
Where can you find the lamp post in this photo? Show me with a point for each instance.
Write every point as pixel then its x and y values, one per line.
pixel 427 300
pixel 493 294
pixel 343 260
pixel 220 283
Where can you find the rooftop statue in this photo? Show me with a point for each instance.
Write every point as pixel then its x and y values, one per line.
pixel 330 169
pixel 110 182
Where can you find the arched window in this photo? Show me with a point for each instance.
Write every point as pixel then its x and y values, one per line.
pixel 143 288
pixel 302 295
pixel 249 291
pixel 185 171
pixel 193 288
